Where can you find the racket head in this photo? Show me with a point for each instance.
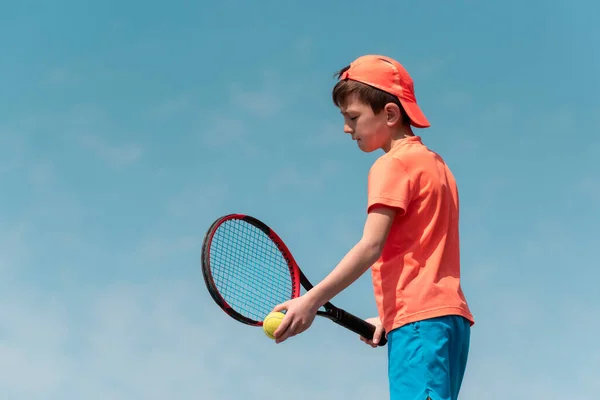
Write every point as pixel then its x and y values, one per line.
pixel 247 268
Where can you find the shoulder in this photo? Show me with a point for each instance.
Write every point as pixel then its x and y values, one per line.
pixel 390 183
pixel 388 163
pixel 399 162
pixel 419 160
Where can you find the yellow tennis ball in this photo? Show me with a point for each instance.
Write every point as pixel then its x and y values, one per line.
pixel 271 323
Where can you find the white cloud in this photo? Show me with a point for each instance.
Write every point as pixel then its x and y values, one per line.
pixel 303 48
pixel 156 341
pixel 62 76
pixel 262 101
pixel 77 74
pixel 426 69
pixel 202 197
pixel 13 247
pixel 501 112
pixel 325 136
pixel 301 179
pixel 222 133
pixel 157 249
pixel 42 173
pixel 33 339
pixel 114 155
pixel 12 148
pixel 455 99
pixel 586 187
pixel 172 106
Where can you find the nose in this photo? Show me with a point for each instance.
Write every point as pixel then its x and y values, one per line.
pixel 347 129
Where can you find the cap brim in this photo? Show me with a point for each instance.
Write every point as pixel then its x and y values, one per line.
pixel 417 118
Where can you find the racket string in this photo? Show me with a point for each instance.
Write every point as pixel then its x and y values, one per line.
pixel 249 271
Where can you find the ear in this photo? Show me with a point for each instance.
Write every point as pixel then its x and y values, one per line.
pixel 393 114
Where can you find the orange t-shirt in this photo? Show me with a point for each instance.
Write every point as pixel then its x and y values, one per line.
pixel 418 274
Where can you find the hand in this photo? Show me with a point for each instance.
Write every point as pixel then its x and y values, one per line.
pixel 378 332
pixel 300 315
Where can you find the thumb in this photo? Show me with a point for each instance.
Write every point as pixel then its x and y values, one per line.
pixel 377 334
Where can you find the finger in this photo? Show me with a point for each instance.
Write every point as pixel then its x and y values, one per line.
pixel 283 336
pixel 290 331
pixel 280 307
pixel 377 334
pixel 366 341
pixel 283 327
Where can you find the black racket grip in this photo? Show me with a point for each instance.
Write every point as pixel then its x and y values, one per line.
pixel 358 325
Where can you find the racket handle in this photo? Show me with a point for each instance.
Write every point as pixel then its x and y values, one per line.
pixel 358 325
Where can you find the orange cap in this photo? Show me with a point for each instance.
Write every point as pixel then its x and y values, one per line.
pixel 390 76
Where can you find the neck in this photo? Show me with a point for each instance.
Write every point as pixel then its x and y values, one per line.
pixel 401 133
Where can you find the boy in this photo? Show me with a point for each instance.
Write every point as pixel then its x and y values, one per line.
pixel 410 239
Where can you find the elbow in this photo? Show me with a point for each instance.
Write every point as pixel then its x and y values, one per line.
pixel 373 249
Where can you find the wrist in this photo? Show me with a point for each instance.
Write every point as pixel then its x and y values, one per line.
pixel 315 298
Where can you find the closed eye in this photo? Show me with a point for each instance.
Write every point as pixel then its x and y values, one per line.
pixel 346 115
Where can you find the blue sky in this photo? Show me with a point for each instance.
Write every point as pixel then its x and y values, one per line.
pixel 126 128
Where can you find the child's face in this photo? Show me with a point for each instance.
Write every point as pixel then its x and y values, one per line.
pixel 371 131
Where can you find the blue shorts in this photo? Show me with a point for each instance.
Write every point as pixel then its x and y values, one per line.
pixel 428 358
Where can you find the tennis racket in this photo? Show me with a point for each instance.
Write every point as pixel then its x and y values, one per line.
pixel 248 270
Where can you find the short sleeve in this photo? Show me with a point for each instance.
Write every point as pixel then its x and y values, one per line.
pixel 389 184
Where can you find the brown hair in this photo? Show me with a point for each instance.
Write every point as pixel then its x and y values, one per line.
pixel 376 98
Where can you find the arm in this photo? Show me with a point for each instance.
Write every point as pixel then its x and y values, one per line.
pixel 359 259
pixel 389 193
pixel 302 310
